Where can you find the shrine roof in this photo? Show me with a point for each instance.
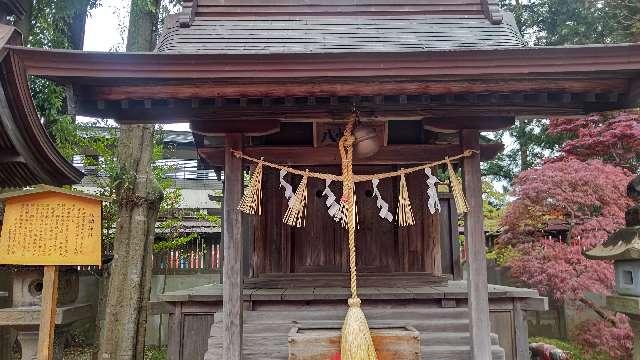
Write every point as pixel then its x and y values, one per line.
pixel 336 26
pixel 27 154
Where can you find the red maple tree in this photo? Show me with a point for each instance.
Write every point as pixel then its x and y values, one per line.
pixel 612 137
pixel 583 188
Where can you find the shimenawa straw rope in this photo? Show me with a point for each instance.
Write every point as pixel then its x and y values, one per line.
pixel 356 177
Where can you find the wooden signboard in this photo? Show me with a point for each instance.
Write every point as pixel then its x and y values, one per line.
pixel 50 226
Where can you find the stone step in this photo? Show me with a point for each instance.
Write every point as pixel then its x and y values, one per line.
pixel 450 339
pixel 427 326
pixel 444 332
pixel 457 352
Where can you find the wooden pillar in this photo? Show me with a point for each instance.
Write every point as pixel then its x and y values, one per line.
pixel 174 345
pixel 633 96
pixel 521 330
pixel 232 269
pixel 479 325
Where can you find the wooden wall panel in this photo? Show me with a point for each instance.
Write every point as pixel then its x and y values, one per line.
pixel 194 343
pixel 423 238
pixel 269 237
pixel 376 239
pixel 321 246
pixel 318 246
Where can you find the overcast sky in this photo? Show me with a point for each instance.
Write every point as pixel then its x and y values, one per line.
pixel 106 31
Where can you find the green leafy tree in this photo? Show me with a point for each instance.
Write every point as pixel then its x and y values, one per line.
pixel 529 143
pixel 576 22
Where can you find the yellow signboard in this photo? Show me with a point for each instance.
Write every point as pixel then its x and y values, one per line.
pixel 45 227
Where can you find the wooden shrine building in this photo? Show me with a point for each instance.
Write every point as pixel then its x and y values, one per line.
pixel 278 79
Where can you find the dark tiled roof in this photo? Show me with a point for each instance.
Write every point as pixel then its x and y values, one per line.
pixel 423 25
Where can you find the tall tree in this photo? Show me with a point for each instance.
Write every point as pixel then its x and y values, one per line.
pixel 529 144
pixel 139 198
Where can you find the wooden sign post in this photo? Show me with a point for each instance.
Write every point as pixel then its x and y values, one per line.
pixel 51 226
pixel 48 312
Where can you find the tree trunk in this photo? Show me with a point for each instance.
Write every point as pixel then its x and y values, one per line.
pixel 77 25
pixel 122 335
pixel 600 311
pixel 139 196
pixel 24 24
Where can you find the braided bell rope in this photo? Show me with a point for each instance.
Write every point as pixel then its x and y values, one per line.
pixel 346 154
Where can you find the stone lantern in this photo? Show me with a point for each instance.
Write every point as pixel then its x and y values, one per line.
pixel 623 247
pixel 24 315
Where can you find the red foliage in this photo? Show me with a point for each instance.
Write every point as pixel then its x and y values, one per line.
pixel 559 270
pixel 601 336
pixel 336 356
pixel 589 197
pixel 614 138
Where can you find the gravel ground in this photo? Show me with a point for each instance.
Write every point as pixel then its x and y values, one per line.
pixel 84 353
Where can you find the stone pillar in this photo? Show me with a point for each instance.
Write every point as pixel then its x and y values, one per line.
pixel 29 344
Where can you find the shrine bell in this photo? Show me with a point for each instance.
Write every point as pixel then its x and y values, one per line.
pixel 623 247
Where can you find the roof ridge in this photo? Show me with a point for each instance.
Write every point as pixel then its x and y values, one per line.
pixel 195 9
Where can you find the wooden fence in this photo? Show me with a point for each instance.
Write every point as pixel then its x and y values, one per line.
pixel 192 259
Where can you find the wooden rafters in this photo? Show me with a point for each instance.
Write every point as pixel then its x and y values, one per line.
pixel 390 107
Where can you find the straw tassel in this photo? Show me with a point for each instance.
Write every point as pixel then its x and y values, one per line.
pixel 252 198
pixel 296 212
pixel 356 342
pixel 456 189
pixel 405 215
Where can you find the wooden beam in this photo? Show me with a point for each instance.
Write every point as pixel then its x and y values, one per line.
pixel 388 155
pixel 355 87
pixel 232 242
pixel 523 62
pixel 469 122
pixel 413 111
pixel 479 324
pixel 253 128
